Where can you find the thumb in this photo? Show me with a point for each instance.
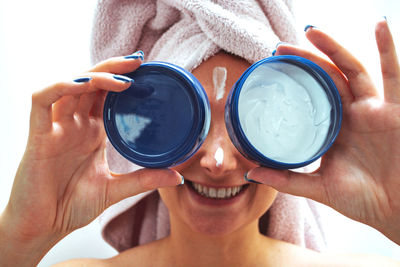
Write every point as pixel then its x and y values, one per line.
pixel 307 185
pixel 121 186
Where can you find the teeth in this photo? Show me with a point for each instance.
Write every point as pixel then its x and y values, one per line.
pixel 228 192
pixel 204 192
pixel 234 190
pixel 212 192
pixel 219 193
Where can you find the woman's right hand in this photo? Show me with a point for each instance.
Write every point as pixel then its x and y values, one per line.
pixel 63 181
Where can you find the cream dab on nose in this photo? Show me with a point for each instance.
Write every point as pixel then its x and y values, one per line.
pixel 219 156
pixel 219 80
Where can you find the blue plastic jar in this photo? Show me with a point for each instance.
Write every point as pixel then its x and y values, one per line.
pixel 162 120
pixel 284 112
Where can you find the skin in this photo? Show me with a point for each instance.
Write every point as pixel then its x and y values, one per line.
pixel 202 167
pixel 63 181
pixel 65 156
pixel 359 176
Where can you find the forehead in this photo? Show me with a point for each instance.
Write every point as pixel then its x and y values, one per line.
pixel 221 67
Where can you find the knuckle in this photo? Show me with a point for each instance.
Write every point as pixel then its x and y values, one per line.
pixel 112 60
pixel 105 65
pixel 388 73
pixel 36 96
pixel 145 181
pixel 57 88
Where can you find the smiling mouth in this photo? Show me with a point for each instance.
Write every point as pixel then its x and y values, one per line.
pixel 217 193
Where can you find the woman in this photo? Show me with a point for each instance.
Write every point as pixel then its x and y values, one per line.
pixel 65 173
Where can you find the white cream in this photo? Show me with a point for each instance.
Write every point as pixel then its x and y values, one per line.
pixel 219 80
pixel 219 157
pixel 284 112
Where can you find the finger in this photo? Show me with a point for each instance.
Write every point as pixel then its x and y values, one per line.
pixel 86 103
pixel 359 80
pixel 337 76
pixel 122 186
pixel 65 108
pixel 389 62
pixel 97 108
pixel 42 101
pixel 120 65
pixel 299 184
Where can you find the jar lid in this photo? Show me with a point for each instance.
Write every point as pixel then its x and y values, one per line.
pixel 161 120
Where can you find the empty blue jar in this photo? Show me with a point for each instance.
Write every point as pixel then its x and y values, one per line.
pixel 162 120
pixel 284 112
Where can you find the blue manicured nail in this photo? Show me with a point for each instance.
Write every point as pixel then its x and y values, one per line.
pixel 280 43
pixel 83 80
pixel 183 180
pixel 250 180
pixel 133 56
pixel 122 78
pixel 273 52
pixel 308 27
pixel 139 52
pixel 386 19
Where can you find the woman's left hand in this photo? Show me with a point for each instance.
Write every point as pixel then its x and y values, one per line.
pixel 360 175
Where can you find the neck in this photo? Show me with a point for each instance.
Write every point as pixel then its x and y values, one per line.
pixel 243 246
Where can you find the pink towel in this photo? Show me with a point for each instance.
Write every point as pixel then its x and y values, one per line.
pixel 187 32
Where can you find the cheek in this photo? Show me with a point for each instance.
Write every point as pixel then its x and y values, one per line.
pixel 169 196
pixel 263 199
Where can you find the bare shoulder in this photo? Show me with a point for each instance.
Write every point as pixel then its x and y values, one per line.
pixel 358 260
pixel 292 255
pixel 287 254
pixel 150 254
pixel 325 259
pixel 139 256
pixel 83 263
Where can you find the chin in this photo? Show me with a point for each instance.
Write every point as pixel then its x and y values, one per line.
pixel 215 225
pixel 219 219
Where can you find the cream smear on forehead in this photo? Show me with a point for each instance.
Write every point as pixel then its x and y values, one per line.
pixel 284 112
pixel 219 80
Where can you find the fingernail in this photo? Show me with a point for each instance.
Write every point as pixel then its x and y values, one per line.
pixel 183 180
pixel 280 43
pixel 308 27
pixel 136 55
pixel 387 22
pixel 273 52
pixel 133 56
pixel 122 78
pixel 250 180
pixel 83 80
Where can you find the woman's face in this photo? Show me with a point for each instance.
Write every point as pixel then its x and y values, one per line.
pixel 226 202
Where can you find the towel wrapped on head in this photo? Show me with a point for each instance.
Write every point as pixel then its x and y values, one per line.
pixel 186 33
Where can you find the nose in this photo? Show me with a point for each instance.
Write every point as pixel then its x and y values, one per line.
pixel 218 155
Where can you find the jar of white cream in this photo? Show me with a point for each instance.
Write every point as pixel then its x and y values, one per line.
pixel 284 112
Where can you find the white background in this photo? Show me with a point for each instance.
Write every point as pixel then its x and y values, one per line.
pixel 45 41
